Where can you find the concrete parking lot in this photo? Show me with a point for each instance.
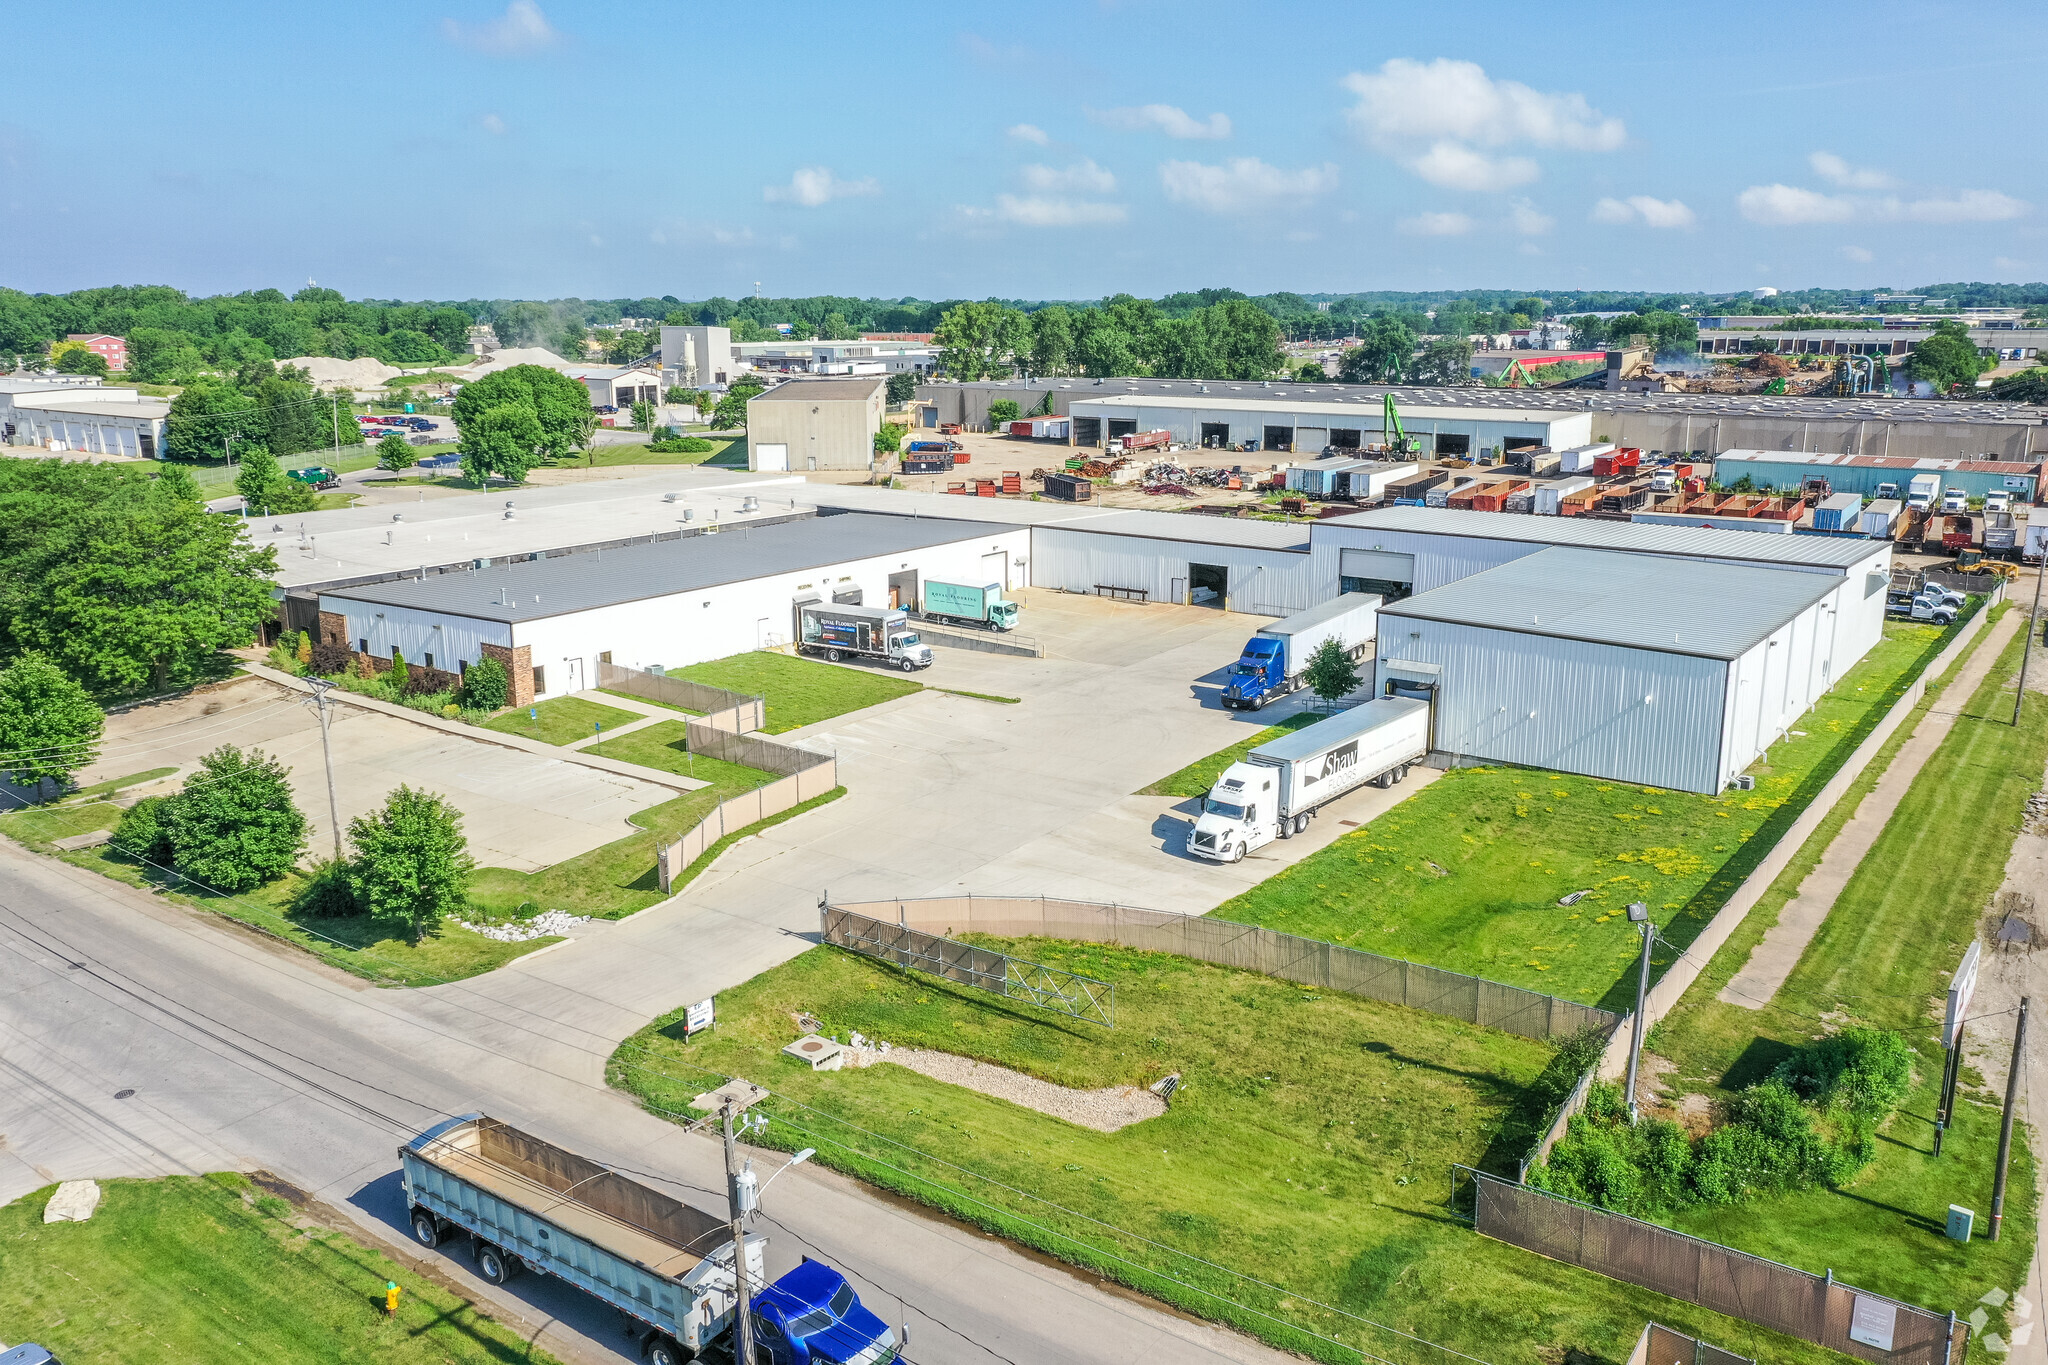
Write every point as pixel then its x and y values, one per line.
pixel 520 810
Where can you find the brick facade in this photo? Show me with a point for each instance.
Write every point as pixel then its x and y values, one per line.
pixel 518 664
pixel 333 629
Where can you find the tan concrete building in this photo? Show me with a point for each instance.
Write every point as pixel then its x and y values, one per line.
pixel 810 424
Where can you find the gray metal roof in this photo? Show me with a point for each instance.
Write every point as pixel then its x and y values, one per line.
pixel 1698 542
pixel 1713 611
pixel 537 589
pixel 822 390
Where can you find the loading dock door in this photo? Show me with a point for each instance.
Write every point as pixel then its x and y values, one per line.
pixel 1448 445
pixel 1208 585
pixel 1122 426
pixel 1215 435
pixel 773 455
pixel 1311 439
pixel 1385 572
pixel 903 590
pixel 995 568
pixel 1278 438
pixel 1087 431
pixel 1344 438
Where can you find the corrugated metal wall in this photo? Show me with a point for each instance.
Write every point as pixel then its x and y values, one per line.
pixel 1262 582
pixel 1438 559
pixel 1589 713
pixel 452 640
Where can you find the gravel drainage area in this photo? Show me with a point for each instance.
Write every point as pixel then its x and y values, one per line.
pixel 1106 1110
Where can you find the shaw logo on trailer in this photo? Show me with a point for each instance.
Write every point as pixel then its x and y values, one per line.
pixel 1336 761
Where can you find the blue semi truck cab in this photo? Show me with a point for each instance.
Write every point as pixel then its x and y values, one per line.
pixel 1260 672
pixel 1275 660
pixel 811 1316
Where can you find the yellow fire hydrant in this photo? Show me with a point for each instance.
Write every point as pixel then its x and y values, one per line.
pixel 391 1293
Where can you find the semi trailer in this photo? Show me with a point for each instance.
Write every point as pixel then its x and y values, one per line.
pixel 1275 660
pixel 840 631
pixel 1275 790
pixel 530 1205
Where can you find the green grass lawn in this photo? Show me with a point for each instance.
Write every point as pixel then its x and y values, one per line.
pixel 605 455
pixel 220 474
pixel 1307 1146
pixel 798 692
pixel 373 948
pixel 664 745
pixel 1467 873
pixel 114 784
pixel 561 721
pixel 1883 958
pixel 1199 776
pixel 665 705
pixel 215 1269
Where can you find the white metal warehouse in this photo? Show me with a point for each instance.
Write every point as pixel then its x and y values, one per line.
pixel 1309 424
pixel 1646 669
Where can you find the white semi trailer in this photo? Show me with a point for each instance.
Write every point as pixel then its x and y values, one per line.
pixel 1278 786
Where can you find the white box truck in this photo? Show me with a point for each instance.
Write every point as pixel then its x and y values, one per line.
pixel 1275 659
pixel 1922 492
pixel 837 630
pixel 1278 786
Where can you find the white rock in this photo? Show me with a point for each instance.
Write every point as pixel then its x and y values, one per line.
pixel 73 1202
pixel 547 924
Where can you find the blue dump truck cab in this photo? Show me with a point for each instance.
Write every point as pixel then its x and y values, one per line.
pixel 811 1316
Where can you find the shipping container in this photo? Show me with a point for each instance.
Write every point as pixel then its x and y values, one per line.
pixel 1548 496
pixel 1878 519
pixel 1068 488
pixel 1838 512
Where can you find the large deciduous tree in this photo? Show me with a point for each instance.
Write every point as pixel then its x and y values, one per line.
pixel 511 421
pixel 980 340
pixel 234 826
pixel 1382 355
pixel 411 860
pixel 1948 359
pixel 49 725
pixel 206 414
pixel 1444 361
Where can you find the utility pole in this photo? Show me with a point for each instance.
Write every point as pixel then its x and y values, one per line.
pixel 2033 624
pixel 1640 913
pixel 737 1186
pixel 2012 1095
pixel 321 687
pixel 335 399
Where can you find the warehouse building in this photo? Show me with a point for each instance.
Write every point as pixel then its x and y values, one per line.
pixel 551 621
pixel 99 421
pixel 1410 551
pixel 1307 424
pixel 815 424
pixel 1642 669
pixel 1782 469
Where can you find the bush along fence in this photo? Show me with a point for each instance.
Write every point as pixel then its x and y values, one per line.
pixel 1798 1303
pixel 1327 966
pixel 721 733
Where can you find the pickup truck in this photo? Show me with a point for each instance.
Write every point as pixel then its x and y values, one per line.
pixel 528 1204
pixel 1275 660
pixel 1939 605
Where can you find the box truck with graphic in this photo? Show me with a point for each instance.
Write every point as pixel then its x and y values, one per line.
pixel 971 606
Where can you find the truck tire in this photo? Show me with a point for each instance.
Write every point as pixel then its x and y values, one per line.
pixel 1237 854
pixel 662 1351
pixel 908 666
pixel 494 1265
pixel 426 1229
pixel 1301 822
pixel 833 655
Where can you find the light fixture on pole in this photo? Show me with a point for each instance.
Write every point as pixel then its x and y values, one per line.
pixel 1639 913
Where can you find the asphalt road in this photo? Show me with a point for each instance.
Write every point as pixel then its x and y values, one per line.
pixel 139 1038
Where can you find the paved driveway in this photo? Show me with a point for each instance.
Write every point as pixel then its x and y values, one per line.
pixel 521 810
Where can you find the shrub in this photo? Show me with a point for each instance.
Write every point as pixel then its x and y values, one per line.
pixel 141 834
pixel 234 826
pixel 420 681
pixel 674 445
pixel 398 670
pixel 326 891
pixel 412 860
pixel 486 686
pixel 303 651
pixel 328 659
pixel 1863 1071
pixel 1003 410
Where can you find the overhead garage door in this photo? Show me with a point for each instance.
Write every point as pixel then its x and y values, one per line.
pixel 1385 572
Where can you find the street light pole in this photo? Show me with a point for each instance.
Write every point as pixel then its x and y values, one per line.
pixel 321 687
pixel 738 1186
pixel 2033 624
pixel 1639 913
pixel 2012 1095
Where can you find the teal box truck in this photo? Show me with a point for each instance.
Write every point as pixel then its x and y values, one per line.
pixel 983 606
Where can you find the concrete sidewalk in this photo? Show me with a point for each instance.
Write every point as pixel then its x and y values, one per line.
pixel 1771 962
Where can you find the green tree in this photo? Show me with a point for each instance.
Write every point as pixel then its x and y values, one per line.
pixel 1119 338
pixel 514 419
pixel 411 860
pixel 1234 339
pixel 889 439
pixel 1332 672
pixel 294 418
pixel 395 453
pixel 1382 355
pixel 485 686
pixel 175 482
pixel 206 413
pixel 1948 359
pixel 979 340
pixel 1002 412
pixel 705 401
pixel 50 726
pixel 141 834
pixel 1528 308
pixel 1310 372
pixel 1052 340
pixel 235 826
pixel 399 671
pixel 159 355
pixel 258 477
pixel 79 360
pixel 801 330
pixel 1589 334
pixel 1444 361
pixel 643 416
pixel 835 327
pixel 902 387
pixel 680 397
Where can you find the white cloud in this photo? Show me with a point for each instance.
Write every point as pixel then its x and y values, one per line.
pixel 1084 175
pixel 815 185
pixel 1046 210
pixel 1967 206
pixel 1242 184
pixel 1166 118
pixel 1836 171
pixel 1862 255
pixel 1525 218
pixel 1640 210
pixel 1455 166
pixel 1789 206
pixel 493 124
pixel 1436 225
pixel 521 29
pixel 1026 132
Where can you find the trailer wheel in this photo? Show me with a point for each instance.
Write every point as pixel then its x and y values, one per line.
pixel 662 1351
pixel 426 1229
pixel 1301 823
pixel 833 655
pixel 494 1265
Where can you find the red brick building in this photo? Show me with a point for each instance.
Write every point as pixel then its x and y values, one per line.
pixel 114 350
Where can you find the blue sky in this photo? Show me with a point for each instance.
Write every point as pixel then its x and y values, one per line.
pixel 466 148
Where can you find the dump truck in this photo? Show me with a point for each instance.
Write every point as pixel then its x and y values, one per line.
pixel 2001 533
pixel 315 476
pixel 1958 532
pixel 1277 787
pixel 983 606
pixel 530 1205
pixel 838 631
pixel 1275 660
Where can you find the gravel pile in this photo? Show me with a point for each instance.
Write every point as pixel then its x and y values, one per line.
pixel 547 924
pixel 1103 1110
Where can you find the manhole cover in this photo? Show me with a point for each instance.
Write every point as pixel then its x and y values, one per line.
pixel 122 1094
pixel 811 1045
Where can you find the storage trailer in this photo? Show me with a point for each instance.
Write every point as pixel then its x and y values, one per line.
pixel 1878 519
pixel 1277 788
pixel 1275 659
pixel 530 1205
pixel 1546 498
pixel 1838 512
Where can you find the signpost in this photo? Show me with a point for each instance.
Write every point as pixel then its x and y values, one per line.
pixel 1962 987
pixel 700 1016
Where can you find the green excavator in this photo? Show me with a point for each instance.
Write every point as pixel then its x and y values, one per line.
pixel 1396 437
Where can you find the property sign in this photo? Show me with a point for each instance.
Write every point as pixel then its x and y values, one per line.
pixel 1873 1321
pixel 699 1016
pixel 1961 987
pixel 2017 481
pixel 1338 760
